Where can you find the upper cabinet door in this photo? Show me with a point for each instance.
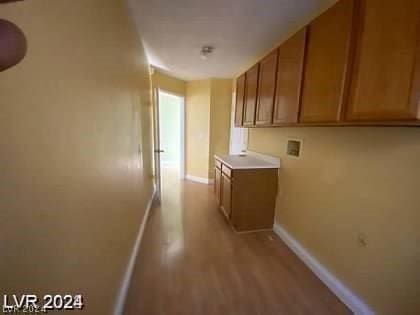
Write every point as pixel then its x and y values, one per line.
pixel 289 79
pixel 326 66
pixel 251 88
pixel 386 71
pixel 266 89
pixel 240 94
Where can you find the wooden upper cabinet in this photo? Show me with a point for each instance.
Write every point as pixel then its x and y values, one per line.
pixel 239 105
pixel 251 88
pixel 386 72
pixel 266 89
pixel 326 63
pixel 289 79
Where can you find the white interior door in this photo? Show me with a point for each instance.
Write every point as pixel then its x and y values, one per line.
pixel 157 149
pixel 171 132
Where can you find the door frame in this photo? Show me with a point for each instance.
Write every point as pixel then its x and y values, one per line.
pixel 156 144
pixel 182 127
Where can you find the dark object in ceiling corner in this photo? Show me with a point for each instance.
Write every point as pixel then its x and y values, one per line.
pixel 13 45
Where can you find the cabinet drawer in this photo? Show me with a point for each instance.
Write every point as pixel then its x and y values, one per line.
pixel 218 164
pixel 227 171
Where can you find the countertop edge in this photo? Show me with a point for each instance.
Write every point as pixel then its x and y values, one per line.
pixel 268 160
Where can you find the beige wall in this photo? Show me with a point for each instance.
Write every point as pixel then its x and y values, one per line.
pixel 208 104
pixel 73 187
pixel 353 181
pixel 168 83
pixel 220 106
pixel 197 128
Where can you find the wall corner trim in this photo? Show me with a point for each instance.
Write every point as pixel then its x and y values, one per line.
pixel 353 302
pixel 125 284
pixel 202 180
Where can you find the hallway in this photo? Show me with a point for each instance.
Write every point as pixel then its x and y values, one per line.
pixel 191 262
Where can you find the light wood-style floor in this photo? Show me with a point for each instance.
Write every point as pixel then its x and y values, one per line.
pixel 192 263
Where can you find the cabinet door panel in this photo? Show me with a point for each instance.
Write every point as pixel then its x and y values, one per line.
pixel 226 195
pixel 385 61
pixel 251 88
pixel 266 89
pixel 327 57
pixel 289 79
pixel 239 105
pixel 217 184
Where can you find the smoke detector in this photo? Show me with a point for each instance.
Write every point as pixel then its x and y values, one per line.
pixel 206 51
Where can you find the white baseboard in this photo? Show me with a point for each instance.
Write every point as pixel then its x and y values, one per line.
pixel 125 284
pixel 197 179
pixel 353 302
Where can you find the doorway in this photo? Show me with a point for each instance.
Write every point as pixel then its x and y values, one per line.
pixel 171 113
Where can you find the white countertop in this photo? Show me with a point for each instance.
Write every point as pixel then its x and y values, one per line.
pixel 250 161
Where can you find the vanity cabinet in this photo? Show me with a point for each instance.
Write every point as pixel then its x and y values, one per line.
pixel 246 196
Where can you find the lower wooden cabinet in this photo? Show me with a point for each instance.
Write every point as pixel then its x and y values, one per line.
pixel 247 197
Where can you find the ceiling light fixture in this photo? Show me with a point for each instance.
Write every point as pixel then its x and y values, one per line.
pixel 206 51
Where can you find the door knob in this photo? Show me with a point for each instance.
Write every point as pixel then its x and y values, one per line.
pixel 159 151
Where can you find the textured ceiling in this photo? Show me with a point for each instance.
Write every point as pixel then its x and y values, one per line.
pixel 173 32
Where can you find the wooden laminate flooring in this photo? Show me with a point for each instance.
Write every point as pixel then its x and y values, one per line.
pixel 192 263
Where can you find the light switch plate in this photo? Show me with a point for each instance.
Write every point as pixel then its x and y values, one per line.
pixel 294 148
